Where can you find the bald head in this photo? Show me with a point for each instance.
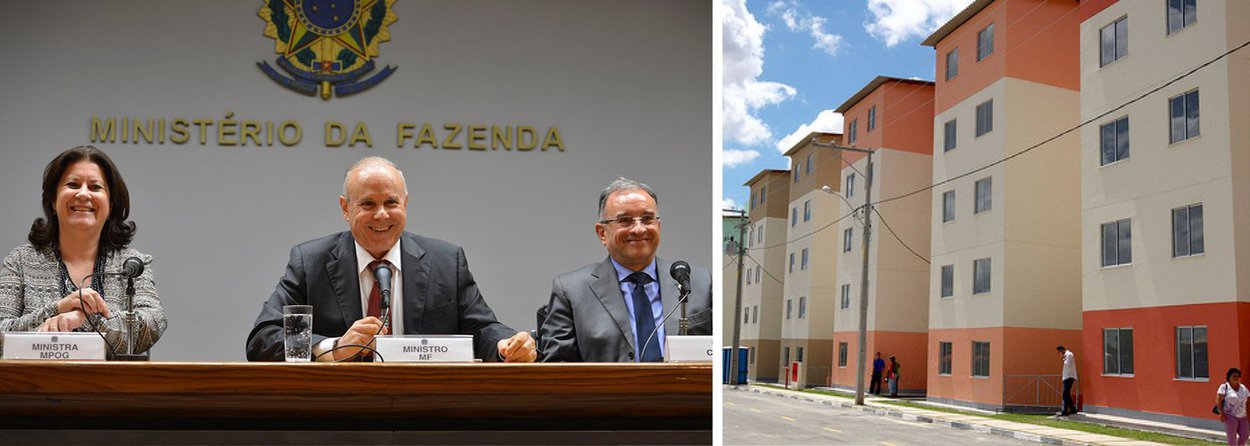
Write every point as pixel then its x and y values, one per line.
pixel 370 166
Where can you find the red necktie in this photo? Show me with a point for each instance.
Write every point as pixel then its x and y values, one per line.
pixel 375 295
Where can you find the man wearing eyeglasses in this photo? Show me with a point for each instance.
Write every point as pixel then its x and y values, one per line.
pixel 614 310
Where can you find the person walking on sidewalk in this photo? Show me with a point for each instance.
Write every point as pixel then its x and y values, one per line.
pixel 1231 404
pixel 1069 378
pixel 878 366
pixel 892 377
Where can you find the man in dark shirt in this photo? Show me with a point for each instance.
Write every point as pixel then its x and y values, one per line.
pixel 878 365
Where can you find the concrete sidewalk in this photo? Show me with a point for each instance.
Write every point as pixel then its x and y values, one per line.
pixel 1020 431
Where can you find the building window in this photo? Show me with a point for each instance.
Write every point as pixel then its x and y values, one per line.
pixel 789 308
pixel 980 276
pixel 846 240
pixel 985 42
pixel 803 307
pixel 803 263
pixel 1184 109
pixel 796 174
pixel 799 358
pixel 948 206
pixel 842 354
pixel 948 280
pixel 750 236
pixel 752 200
pixel 952 64
pixel 762 194
pixel 751 353
pixel 761 234
pixel 807 210
pixel 757 273
pixel 1191 352
pixel 1117 243
pixel 1114 41
pixel 1181 13
pixel 748 277
pixel 846 297
pixel 949 135
pixel 985 117
pixel 1117 348
pixel 746 316
pixel 755 317
pixel 1187 231
pixel 791 262
pixel 944 358
pixel 872 118
pixel 1114 141
pixel 980 358
pixel 982 198
pixel 808 170
pixel 794 216
pixel 854 125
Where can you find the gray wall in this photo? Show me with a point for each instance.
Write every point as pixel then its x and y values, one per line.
pixel 627 83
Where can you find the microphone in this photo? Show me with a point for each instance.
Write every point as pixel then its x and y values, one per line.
pixel 132 267
pixel 383 276
pixel 681 273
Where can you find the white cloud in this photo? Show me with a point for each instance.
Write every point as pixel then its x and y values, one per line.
pixel 806 22
pixel 729 203
pixel 744 93
pixel 897 20
pixel 733 157
pixel 826 121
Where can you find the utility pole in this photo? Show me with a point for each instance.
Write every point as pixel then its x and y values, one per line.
pixel 863 294
pixel 740 248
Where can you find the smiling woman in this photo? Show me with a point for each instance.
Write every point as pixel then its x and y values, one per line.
pixel 84 234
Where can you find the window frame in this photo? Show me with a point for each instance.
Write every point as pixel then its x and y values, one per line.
pixel 1189 231
pixel 981 353
pixel 1120 145
pixel 952 69
pixel 946 281
pixel 807 211
pixel 1188 114
pixel 850 185
pixel 848 237
pixel 1122 241
pixel 948 205
pixel 803 262
pixel 802 307
pixel 789 308
pixel 989 276
pixel 1119 41
pixel 1193 362
pixel 984 118
pixel 983 201
pixel 1119 355
pixel 946 356
pixel 845 299
pixel 950 135
pixel 853 127
pixel 1184 19
pixel 985 42
pixel 842 354
pixel 872 119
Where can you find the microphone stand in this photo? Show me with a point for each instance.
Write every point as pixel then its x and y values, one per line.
pixel 683 324
pixel 131 323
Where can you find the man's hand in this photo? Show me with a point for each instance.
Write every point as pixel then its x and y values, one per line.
pixel 360 333
pixel 64 322
pixel 518 348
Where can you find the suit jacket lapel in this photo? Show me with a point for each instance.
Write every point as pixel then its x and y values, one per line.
pixel 668 295
pixel 341 270
pixel 416 276
pixel 607 288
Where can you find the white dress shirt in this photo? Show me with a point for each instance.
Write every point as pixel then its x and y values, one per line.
pixel 363 259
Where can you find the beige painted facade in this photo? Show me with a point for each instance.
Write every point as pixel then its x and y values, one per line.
pixel 1212 170
pixel 810 295
pixel 1030 233
pixel 898 280
pixel 762 287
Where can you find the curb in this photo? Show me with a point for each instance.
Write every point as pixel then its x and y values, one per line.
pixel 877 410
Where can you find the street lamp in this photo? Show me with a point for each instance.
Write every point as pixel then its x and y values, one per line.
pixel 863 295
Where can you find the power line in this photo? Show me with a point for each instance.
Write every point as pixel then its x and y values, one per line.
pixel 896 237
pixel 1069 130
pixel 762 268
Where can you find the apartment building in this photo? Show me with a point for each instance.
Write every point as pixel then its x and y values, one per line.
pixel 810 260
pixel 1005 285
pixel 894 118
pixel 762 289
pixel 1166 182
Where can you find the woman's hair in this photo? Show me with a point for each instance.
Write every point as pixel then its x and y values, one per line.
pixel 117 232
pixel 1229 375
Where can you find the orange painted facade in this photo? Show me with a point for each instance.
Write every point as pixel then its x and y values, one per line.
pixel 1033 41
pixel 1013 351
pixel 904 119
pixel 1154 386
pixel 907 347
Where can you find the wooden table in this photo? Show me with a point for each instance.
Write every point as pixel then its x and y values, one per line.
pixel 371 403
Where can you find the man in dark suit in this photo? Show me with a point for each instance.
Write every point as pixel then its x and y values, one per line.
pixel 335 274
pixel 608 311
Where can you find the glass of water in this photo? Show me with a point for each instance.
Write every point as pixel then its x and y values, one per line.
pixel 297 323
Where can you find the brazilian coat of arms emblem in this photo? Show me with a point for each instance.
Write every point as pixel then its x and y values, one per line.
pixel 327 45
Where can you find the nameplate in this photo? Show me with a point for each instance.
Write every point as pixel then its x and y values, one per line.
pixel 689 348
pixel 54 346
pixel 425 348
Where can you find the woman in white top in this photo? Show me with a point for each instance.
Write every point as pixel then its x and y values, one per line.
pixel 1231 401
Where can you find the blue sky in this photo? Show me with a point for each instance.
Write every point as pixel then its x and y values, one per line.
pixel 788 64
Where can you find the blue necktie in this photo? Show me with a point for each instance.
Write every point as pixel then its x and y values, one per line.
pixel 644 319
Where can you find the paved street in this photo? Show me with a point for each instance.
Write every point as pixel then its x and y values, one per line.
pixel 756 418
